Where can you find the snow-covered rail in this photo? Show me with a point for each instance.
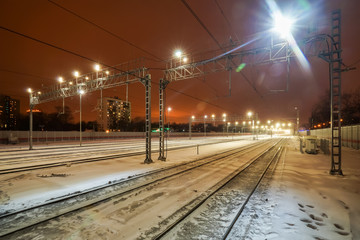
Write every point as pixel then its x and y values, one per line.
pixel 13 222
pixel 19 161
pixel 216 214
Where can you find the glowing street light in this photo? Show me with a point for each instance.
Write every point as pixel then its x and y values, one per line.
pixel 76 74
pixel 178 53
pixel 29 90
pixel 60 79
pixel 282 25
pixel 97 67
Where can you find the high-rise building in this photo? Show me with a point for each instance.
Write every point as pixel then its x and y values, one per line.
pixel 9 112
pixel 114 114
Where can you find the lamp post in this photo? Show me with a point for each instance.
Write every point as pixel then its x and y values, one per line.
pixel 213 119
pixel 227 129
pixel 168 111
pixel 224 121
pixel 97 68
pixel 190 122
pixel 81 92
pixel 236 123
pixel 31 119
pixel 76 75
pixel 205 117
pixel 250 115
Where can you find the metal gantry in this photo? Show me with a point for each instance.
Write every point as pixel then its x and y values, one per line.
pixel 278 51
pixel 131 72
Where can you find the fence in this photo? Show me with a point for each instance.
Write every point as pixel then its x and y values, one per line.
pixel 60 136
pixel 350 135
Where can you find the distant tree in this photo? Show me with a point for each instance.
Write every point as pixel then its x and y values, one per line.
pixel 350 109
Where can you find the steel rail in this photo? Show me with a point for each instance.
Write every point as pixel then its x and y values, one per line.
pixel 200 203
pixel 9 217
pixel 95 159
pixel 277 156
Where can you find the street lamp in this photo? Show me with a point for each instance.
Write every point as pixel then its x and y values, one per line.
pixel 168 111
pixel 76 75
pixel 61 80
pixel 190 122
pixel 178 53
pixel 205 117
pixel 250 115
pixel 213 118
pixel 227 129
pixel 97 69
pixel 81 92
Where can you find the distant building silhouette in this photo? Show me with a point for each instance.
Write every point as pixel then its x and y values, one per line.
pixel 114 114
pixel 9 113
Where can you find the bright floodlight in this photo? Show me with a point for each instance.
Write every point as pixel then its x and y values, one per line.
pixel 169 109
pixel 81 92
pixel 178 53
pixel 76 73
pixel 97 67
pixel 282 25
pixel 60 79
pixel 249 114
pixel 29 90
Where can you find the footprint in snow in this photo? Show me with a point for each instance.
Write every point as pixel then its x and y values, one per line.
pixel 319 238
pixel 342 233
pixel 305 220
pixel 338 226
pixel 316 218
pixel 311 226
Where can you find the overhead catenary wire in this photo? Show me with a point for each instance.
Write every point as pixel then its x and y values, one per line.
pixel 226 19
pixel 214 39
pixel 105 30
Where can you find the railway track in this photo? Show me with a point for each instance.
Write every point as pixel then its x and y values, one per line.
pixel 16 221
pixel 34 163
pixel 215 215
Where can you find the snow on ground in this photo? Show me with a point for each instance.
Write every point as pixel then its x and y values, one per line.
pixel 20 190
pixel 302 201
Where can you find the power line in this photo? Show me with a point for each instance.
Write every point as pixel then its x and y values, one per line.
pixel 24 74
pixel 105 30
pixel 84 57
pixel 226 19
pixel 201 23
pixel 212 36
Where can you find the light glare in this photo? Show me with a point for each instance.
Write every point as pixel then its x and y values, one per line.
pixel 282 25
